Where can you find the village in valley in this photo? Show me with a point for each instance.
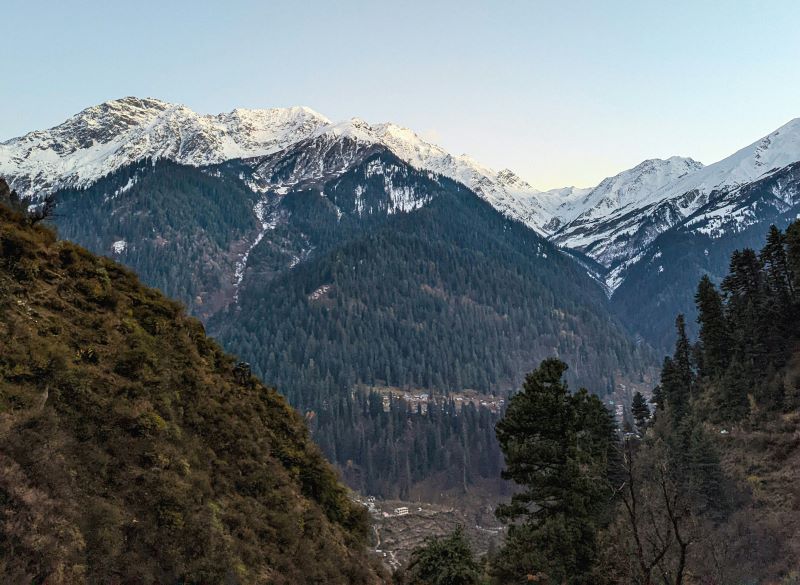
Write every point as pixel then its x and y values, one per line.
pixel 418 400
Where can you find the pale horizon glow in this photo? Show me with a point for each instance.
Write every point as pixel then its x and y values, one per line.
pixel 562 93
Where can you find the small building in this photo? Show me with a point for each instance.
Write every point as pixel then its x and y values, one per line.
pixel 401 511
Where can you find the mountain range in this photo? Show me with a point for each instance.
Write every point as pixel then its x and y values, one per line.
pixel 611 223
pixel 335 256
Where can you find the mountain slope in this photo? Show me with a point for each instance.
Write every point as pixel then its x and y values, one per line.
pixel 616 196
pixel 181 230
pixel 451 294
pixel 441 292
pixel 134 450
pixel 609 228
pixel 104 138
pixel 664 280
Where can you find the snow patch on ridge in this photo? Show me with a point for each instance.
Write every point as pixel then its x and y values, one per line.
pixel 267 223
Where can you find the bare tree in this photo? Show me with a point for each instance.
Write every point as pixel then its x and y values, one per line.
pixel 656 527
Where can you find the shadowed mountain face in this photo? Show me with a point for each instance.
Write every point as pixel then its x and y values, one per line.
pixel 134 450
pixel 350 255
pixel 664 281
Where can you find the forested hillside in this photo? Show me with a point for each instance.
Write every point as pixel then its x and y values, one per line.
pixel 449 296
pixel 380 275
pixel 134 450
pixel 709 493
pixel 181 230
pixel 700 488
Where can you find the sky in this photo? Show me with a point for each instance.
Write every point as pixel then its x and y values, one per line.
pixel 562 92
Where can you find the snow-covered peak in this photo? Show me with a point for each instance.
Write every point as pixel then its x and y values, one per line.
pixel 776 150
pixel 103 138
pixel 633 186
pixel 504 190
pixel 623 214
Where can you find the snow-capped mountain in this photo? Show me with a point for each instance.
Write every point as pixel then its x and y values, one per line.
pixel 609 214
pixel 103 138
pixel 279 149
pixel 630 210
pixel 774 151
pixel 334 148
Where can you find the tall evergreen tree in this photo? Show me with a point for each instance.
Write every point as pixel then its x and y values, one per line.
pixel 557 447
pixel 714 337
pixel 443 561
pixel 792 238
pixel 678 376
pixel 776 264
pixel 744 296
pixel 640 411
pixel 778 292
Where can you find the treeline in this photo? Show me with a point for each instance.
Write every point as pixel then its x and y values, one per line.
pixel 386 452
pixel 748 331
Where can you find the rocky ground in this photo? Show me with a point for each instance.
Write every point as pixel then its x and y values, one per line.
pixel 395 534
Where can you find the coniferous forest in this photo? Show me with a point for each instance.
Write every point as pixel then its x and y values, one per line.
pixel 340 297
pixel 702 489
pixel 698 486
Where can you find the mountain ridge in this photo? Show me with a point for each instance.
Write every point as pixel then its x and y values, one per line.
pixel 610 223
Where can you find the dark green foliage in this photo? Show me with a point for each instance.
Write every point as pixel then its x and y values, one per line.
pixel 703 495
pixel 678 375
pixel 181 227
pixel 450 297
pixel 714 337
pixel 443 561
pixel 792 240
pixel 745 341
pixel 133 450
pixel 557 448
pixel 664 282
pixel 640 411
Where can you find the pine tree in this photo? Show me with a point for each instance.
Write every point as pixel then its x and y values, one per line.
pixel 443 561
pixel 792 238
pixel 714 346
pixel 745 298
pixel 556 447
pixel 774 258
pixel 777 307
pixel 677 375
pixel 640 411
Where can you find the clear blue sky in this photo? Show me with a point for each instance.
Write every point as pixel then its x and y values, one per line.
pixel 563 92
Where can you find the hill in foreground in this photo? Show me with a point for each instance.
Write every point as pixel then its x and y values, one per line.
pixel 133 450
